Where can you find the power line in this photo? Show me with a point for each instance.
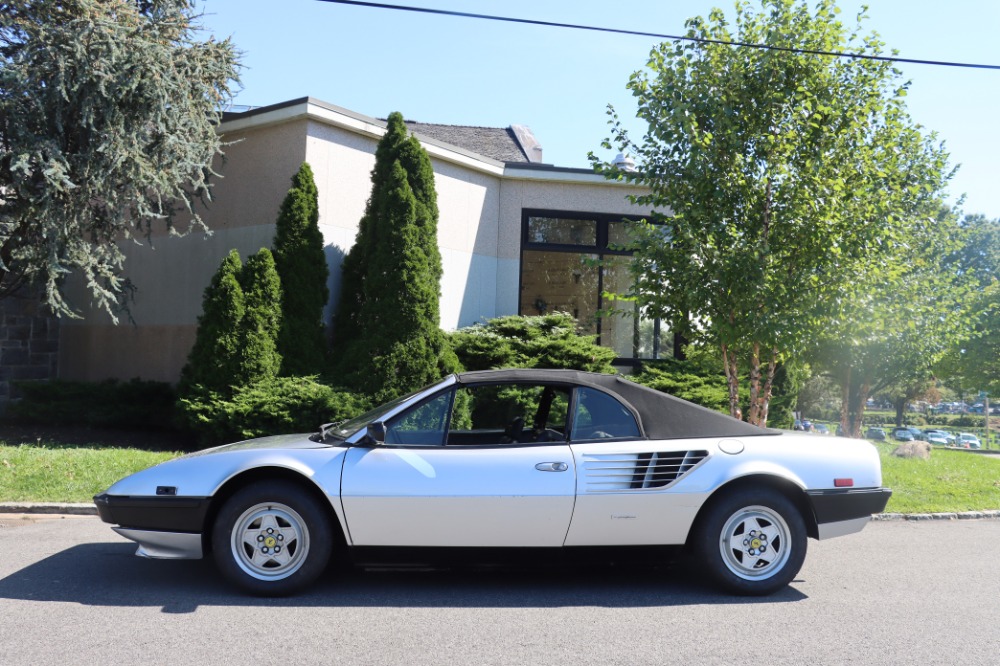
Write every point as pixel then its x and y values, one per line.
pixel 640 33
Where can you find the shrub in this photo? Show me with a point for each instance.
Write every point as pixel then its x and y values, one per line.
pixel 516 341
pixel 213 360
pixel 301 263
pixel 271 406
pixel 108 404
pixel 388 339
pixel 687 380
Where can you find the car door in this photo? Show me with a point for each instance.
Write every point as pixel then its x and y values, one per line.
pixel 444 477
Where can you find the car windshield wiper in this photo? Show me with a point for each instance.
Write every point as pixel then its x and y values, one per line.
pixel 324 431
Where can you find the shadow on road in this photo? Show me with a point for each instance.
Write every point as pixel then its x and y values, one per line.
pixel 108 574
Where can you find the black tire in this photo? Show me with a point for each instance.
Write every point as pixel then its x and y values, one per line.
pixel 272 539
pixel 751 541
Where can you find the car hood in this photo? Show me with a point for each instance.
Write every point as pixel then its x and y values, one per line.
pixel 297 441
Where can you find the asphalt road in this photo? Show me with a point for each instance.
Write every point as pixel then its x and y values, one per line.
pixel 898 593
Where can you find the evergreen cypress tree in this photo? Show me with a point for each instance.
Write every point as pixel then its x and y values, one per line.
pixel 261 323
pixel 388 336
pixel 213 361
pixel 301 264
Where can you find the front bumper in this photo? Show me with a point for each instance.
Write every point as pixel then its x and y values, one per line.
pixel 845 511
pixel 162 514
pixel 164 527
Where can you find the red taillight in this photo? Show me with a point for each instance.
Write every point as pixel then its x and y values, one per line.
pixel 843 483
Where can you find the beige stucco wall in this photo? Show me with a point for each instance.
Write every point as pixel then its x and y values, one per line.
pixel 479 236
pixel 170 273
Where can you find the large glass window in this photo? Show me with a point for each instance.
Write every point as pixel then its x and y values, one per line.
pixel 569 262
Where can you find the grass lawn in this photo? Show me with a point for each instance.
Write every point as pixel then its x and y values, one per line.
pixel 67 473
pixel 950 481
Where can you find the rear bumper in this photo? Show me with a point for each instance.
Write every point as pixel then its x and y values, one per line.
pixel 840 512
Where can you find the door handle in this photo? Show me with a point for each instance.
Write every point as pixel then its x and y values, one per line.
pixel 552 467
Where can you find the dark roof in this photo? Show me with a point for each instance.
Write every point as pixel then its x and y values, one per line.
pixel 660 415
pixel 498 143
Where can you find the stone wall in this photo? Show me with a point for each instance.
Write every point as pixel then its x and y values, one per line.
pixel 29 344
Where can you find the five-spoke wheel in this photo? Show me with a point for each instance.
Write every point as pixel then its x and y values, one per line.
pixel 752 541
pixel 272 539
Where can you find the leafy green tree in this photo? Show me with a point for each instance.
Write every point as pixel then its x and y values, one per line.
pixel 213 362
pixel 301 264
pixel 261 323
pixel 974 361
pixel 108 112
pixel 783 175
pixel 388 339
pixel 900 320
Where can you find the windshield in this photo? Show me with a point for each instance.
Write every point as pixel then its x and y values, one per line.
pixel 347 428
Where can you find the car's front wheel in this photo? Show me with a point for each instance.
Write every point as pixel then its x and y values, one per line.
pixel 272 539
pixel 752 541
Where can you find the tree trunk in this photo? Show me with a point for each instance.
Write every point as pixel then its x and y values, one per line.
pixel 765 399
pixel 753 414
pixel 733 379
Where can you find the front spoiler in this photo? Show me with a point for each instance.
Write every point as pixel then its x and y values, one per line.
pixel 164 545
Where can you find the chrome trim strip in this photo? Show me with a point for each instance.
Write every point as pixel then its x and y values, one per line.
pixel 164 545
pixel 842 527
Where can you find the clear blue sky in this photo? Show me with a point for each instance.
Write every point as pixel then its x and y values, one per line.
pixel 559 81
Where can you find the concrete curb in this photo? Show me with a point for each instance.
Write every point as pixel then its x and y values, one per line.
pixel 87 509
pixel 64 508
pixel 964 515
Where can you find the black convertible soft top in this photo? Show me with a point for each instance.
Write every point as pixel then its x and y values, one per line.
pixel 660 415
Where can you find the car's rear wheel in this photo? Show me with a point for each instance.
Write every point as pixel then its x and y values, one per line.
pixel 272 539
pixel 752 541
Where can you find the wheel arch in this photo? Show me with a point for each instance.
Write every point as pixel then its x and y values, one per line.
pixel 789 489
pixel 268 473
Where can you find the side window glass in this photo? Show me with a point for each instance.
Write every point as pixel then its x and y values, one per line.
pixel 599 416
pixel 423 425
pixel 499 414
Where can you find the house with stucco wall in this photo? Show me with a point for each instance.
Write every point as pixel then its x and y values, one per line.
pixel 515 235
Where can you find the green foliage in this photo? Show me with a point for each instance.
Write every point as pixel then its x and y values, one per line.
pixel 974 360
pixel 791 178
pixel 109 404
pixel 900 321
pixel 686 380
pixel 301 264
pixel 387 337
pixel 108 112
pixel 213 361
pixel 271 406
pixel 259 357
pixel 237 334
pixel 546 341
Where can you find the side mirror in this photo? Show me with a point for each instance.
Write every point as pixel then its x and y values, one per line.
pixel 376 432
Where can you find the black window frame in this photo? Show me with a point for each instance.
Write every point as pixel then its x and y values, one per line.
pixel 603 220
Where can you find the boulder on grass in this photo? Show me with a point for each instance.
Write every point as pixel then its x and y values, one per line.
pixel 920 450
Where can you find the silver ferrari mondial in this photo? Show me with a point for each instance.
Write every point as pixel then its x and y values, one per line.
pixel 497 462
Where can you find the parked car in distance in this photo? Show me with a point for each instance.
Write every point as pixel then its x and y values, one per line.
pixel 917 433
pixel 875 433
pixel 967 440
pixel 498 464
pixel 902 435
pixel 821 429
pixel 937 438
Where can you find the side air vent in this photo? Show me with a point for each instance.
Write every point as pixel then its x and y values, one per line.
pixel 638 471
